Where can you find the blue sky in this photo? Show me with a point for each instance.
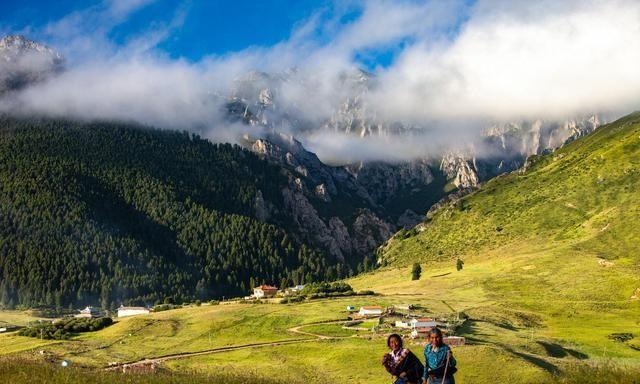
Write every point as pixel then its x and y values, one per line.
pixel 207 28
pixel 218 27
pixel 194 29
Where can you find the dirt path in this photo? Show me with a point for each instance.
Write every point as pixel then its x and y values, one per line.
pixel 151 362
pixel 160 359
pixel 297 329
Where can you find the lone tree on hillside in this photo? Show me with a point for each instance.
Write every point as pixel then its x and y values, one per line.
pixel 416 271
pixel 459 264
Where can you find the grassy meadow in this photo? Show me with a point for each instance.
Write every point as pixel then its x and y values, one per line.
pixel 507 341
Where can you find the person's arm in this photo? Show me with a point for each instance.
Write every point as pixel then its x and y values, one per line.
pixel 425 375
pixel 452 360
pixel 387 364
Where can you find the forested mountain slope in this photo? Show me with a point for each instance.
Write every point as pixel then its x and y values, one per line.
pixel 111 213
pixel 583 196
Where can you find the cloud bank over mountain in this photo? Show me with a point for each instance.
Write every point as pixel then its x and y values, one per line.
pixel 455 69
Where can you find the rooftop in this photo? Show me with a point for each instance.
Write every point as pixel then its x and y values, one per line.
pixel 266 287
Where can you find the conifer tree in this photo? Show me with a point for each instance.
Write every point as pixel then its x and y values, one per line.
pixel 416 271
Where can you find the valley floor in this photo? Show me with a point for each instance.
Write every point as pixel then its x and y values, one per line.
pixel 520 328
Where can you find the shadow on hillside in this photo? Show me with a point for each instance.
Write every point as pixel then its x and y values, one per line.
pixel 541 363
pixel 122 218
pixel 471 333
pixel 557 350
pixel 507 326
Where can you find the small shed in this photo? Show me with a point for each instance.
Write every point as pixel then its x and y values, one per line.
pixel 423 333
pixel 454 340
pixel 298 288
pixel 8 328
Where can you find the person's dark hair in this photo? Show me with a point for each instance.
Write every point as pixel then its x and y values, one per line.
pixel 397 337
pixel 437 332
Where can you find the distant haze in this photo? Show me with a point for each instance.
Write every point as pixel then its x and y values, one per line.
pixel 456 69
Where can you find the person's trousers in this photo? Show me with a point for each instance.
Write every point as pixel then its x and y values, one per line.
pixel 441 380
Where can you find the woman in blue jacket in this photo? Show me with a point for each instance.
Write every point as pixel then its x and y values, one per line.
pixel 439 363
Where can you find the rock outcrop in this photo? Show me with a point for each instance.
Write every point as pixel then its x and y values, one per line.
pixel 460 169
pixel 383 181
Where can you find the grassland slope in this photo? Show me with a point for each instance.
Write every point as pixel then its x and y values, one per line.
pixel 585 196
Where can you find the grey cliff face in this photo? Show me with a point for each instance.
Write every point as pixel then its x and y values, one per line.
pixel 369 231
pixel 538 136
pixel 313 187
pixel 342 242
pixel 461 169
pixel 310 224
pixel 384 180
pixel 508 146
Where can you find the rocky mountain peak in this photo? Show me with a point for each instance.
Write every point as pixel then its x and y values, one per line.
pixel 23 62
pixel 20 44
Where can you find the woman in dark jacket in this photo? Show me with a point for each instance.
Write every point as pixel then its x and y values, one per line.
pixel 401 362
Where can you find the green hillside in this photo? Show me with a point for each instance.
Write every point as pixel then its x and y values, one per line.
pixel 108 213
pixel 583 197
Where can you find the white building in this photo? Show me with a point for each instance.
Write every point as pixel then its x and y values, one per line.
pixel 370 311
pixel 132 311
pixel 416 323
pixel 422 323
pixel 89 312
pixel 264 291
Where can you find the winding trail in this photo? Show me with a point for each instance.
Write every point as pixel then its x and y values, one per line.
pixel 296 330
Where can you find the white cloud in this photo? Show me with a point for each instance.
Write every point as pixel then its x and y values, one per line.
pixel 518 63
pixel 506 60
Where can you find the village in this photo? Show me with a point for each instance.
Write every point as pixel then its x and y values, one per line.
pixel 409 320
